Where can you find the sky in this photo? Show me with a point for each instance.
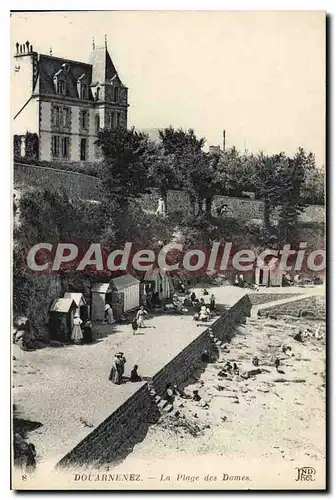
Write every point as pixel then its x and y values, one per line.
pixel 258 75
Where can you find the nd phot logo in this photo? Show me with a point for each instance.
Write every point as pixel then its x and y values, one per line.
pixel 305 474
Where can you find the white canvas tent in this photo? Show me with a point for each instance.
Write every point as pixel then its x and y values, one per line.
pixel 269 275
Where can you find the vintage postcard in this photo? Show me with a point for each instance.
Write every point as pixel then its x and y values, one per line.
pixel 168 266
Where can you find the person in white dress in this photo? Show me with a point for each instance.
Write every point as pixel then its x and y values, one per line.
pixel 109 314
pixel 140 317
pixel 76 334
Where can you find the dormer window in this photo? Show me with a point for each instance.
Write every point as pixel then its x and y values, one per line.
pixel 83 87
pixel 60 81
pixel 83 91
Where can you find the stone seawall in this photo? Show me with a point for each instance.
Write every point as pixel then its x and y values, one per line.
pixel 129 423
pixel 310 307
pixel 182 366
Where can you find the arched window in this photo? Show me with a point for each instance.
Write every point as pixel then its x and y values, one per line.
pixel 116 94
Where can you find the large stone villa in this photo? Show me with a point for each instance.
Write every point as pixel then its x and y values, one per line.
pixel 66 102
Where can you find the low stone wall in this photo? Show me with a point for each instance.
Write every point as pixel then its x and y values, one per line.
pixel 183 365
pixel 120 430
pixel 310 307
pixel 76 185
pixel 263 298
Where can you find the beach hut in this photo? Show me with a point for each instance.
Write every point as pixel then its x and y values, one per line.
pixel 161 282
pixel 82 308
pixel 129 287
pixel 101 294
pixel 61 315
pixel 269 275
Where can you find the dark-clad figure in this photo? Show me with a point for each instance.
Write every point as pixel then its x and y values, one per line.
pixel 169 395
pixel 120 366
pixel 134 375
pixel 87 332
pixel 212 303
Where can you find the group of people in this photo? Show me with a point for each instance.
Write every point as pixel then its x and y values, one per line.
pixel 199 303
pixel 81 333
pixel 118 369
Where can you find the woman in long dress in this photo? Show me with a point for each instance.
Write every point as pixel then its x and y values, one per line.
pixel 109 314
pixel 114 373
pixel 76 334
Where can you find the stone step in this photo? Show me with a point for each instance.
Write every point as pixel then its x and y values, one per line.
pixel 152 392
pixel 162 404
pixel 157 399
pixel 168 408
pixel 219 343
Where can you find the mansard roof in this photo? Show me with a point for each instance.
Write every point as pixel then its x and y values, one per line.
pixel 50 66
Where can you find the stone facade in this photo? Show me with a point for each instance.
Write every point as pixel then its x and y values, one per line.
pixel 66 102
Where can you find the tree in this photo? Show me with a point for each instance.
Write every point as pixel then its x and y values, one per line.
pixel 293 176
pixel 162 174
pixel 194 173
pixel 127 156
pixel 313 187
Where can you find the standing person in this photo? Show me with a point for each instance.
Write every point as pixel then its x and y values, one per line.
pixel 114 375
pixel 76 334
pixel 134 326
pixel 140 317
pixel 120 366
pixel 109 314
pixel 212 303
pixel 87 332
pixel 241 280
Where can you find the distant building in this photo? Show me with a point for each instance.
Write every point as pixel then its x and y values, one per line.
pixel 66 102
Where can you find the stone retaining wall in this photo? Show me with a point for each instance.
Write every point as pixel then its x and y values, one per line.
pixel 76 185
pixel 310 307
pixel 121 429
pixel 263 298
